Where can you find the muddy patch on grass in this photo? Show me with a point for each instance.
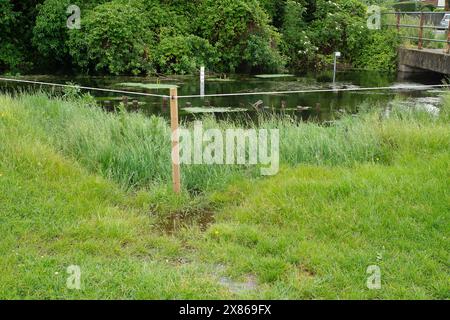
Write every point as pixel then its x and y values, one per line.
pixel 305 272
pixel 180 220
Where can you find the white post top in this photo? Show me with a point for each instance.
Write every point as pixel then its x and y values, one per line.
pixel 202 81
pixel 202 74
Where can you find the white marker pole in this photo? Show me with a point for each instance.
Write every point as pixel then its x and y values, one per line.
pixel 202 81
pixel 336 55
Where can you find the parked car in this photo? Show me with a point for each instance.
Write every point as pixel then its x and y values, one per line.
pixel 444 22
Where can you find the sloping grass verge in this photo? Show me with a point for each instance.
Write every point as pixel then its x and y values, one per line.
pixel 134 150
pixel 79 186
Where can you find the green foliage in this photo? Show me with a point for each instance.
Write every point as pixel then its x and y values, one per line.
pixel 260 54
pixel 406 6
pixel 275 9
pixel 313 31
pixel 176 36
pixel 379 51
pixel 335 22
pixel 11 50
pixel 50 32
pixel 184 54
pixel 71 93
pixel 114 38
pixel 413 6
pixel 296 44
pixel 8 18
pixel 165 20
pixel 241 33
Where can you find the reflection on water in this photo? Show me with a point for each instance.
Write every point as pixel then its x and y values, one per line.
pixel 316 105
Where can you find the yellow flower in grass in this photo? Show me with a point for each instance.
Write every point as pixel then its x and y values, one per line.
pixel 3 115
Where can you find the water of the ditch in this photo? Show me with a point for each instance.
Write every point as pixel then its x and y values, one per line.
pixel 320 106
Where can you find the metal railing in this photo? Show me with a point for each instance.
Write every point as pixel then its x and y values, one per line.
pixel 421 27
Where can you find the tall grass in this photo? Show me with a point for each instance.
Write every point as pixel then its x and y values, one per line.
pixel 134 150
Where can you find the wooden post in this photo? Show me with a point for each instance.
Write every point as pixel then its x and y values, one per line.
pixel 447 5
pixel 125 101
pixel 398 22
pixel 176 172
pixel 135 104
pixel 107 105
pixel 422 19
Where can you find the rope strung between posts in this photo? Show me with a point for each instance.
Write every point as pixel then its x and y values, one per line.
pixel 176 169
pixel 86 88
pixel 405 87
pixel 418 87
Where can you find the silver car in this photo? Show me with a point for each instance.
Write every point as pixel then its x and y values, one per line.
pixel 445 21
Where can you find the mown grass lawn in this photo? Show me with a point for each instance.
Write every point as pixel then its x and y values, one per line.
pixel 308 233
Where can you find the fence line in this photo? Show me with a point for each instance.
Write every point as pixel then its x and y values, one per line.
pixel 414 12
pixel 420 27
pixel 418 87
pixel 85 88
pixel 174 121
pixel 237 94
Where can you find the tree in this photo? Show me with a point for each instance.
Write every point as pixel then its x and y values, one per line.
pixel 16 22
pixel 184 54
pixel 176 36
pixel 114 38
pixel 9 57
pixel 276 10
pixel 50 32
pixel 240 31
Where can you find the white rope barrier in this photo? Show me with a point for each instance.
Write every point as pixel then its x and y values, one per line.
pixel 392 88
pixel 85 88
pixel 417 87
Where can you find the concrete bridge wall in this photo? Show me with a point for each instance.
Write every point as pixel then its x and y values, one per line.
pixel 426 59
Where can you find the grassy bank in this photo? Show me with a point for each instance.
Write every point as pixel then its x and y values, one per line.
pixel 134 151
pixel 79 186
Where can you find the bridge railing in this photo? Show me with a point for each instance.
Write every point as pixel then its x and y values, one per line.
pixel 421 27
